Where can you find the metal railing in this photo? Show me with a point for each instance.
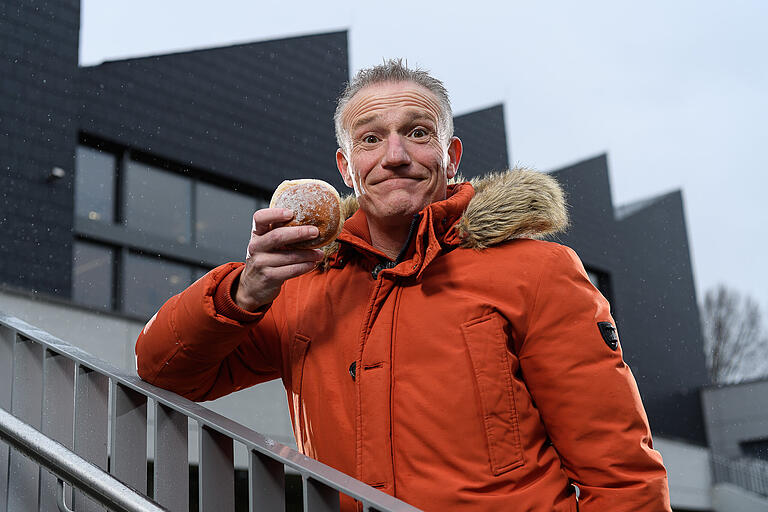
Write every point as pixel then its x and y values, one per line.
pixel 100 413
pixel 747 473
pixel 66 465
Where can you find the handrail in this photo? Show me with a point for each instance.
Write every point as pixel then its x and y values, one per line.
pixel 127 401
pixel 70 467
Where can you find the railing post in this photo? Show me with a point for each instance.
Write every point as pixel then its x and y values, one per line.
pixel 318 497
pixel 171 478
pixel 754 477
pixel 24 474
pixel 129 437
pixel 217 471
pixel 266 478
pixel 7 339
pixel 91 403
pixel 58 417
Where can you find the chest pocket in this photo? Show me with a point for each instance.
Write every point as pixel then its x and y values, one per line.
pixel 487 347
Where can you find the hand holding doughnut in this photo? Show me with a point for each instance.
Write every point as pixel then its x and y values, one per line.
pixel 282 245
pixel 315 203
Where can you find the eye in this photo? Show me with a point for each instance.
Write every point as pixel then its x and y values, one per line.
pixel 370 139
pixel 418 133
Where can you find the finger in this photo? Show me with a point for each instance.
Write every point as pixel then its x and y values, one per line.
pixel 288 271
pixel 266 216
pixel 279 238
pixel 285 258
pixel 282 237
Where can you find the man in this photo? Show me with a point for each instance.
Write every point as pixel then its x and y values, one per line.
pixel 437 351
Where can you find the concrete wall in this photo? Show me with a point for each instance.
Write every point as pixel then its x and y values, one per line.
pixel 730 498
pixel 735 414
pixel 688 469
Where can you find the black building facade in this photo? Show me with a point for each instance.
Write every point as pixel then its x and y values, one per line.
pixel 38 133
pixel 123 182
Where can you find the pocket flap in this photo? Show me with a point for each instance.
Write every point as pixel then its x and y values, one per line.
pixel 487 346
pixel 299 348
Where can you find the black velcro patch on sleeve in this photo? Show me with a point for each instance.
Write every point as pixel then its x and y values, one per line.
pixel 609 334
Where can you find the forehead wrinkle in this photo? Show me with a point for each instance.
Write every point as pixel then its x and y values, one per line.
pixel 371 102
pixel 409 117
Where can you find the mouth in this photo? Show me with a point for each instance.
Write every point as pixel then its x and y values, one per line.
pixel 395 180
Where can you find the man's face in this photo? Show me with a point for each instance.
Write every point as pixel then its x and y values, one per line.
pixel 396 163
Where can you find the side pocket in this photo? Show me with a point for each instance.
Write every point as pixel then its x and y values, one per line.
pixel 299 347
pixel 487 347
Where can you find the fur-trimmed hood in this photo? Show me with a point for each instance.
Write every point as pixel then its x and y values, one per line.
pixel 517 203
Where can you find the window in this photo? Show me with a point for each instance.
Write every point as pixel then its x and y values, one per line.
pixel 223 219
pixel 92 275
pixel 157 202
pixel 756 448
pixel 95 184
pixel 149 282
pixel 146 228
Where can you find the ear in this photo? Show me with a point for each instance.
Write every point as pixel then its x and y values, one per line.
pixel 343 165
pixel 455 149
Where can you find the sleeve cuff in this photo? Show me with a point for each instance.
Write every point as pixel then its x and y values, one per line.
pixel 225 305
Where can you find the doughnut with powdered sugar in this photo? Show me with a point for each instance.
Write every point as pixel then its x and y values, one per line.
pixel 314 202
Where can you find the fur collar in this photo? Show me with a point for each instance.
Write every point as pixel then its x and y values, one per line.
pixel 518 203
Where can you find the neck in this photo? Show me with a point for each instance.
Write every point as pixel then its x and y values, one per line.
pixel 389 237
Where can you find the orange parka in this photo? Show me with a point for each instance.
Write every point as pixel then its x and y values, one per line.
pixel 470 376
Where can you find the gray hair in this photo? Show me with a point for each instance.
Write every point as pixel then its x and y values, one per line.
pixel 393 70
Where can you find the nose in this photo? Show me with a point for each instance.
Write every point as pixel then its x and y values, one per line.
pixel 396 154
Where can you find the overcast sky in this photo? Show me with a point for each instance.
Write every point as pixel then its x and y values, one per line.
pixel 676 93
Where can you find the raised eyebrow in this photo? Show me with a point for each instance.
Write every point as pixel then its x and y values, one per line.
pixel 420 116
pixel 363 121
pixel 411 117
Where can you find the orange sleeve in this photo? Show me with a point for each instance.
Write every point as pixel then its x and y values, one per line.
pixel 586 394
pixel 200 352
